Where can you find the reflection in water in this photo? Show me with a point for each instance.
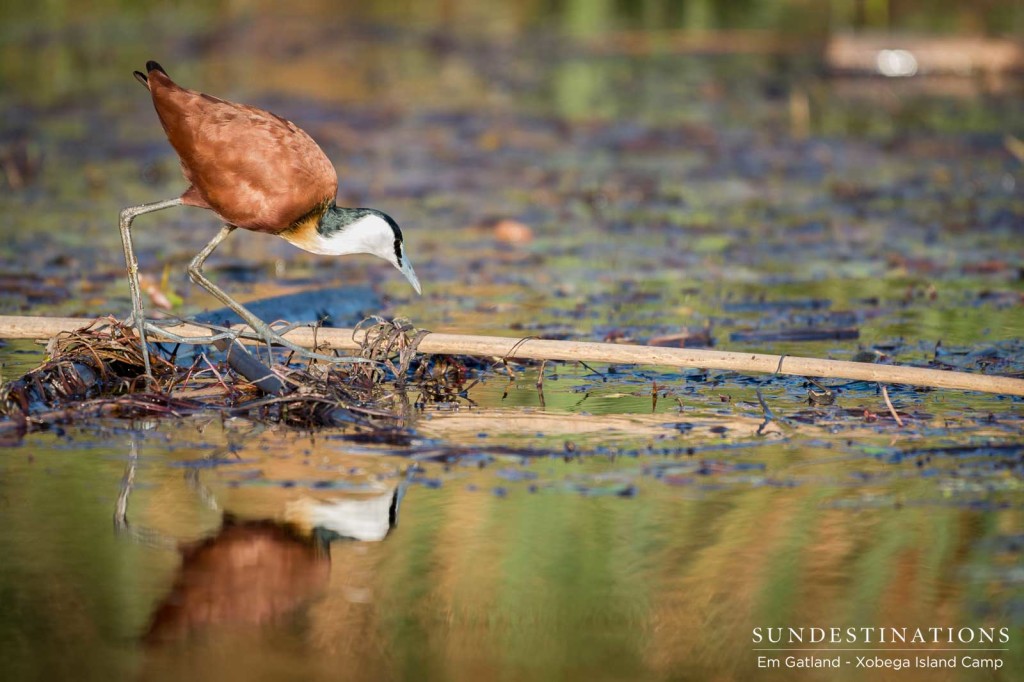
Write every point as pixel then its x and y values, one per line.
pixel 368 519
pixel 260 572
pixel 250 573
pixel 255 572
pixel 503 564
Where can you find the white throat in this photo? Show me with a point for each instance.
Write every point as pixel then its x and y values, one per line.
pixel 370 234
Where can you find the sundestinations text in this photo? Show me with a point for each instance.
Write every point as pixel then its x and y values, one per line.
pixel 879 635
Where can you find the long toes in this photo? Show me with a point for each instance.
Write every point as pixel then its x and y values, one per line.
pixel 163 335
pixel 267 336
pixel 313 355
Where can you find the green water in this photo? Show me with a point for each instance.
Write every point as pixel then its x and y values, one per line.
pixel 631 560
pixel 584 530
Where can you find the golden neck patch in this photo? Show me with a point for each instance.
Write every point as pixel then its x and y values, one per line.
pixel 304 231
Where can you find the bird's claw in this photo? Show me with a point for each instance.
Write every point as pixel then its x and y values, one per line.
pixel 260 332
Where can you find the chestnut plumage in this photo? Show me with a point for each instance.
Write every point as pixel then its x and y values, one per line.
pixel 260 172
pixel 254 169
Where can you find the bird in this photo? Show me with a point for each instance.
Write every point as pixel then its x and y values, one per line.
pixel 260 172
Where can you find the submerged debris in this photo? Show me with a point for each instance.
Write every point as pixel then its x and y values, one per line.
pixel 99 371
pixel 795 334
pixel 102 359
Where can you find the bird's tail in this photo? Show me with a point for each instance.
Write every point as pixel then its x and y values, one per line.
pixel 150 67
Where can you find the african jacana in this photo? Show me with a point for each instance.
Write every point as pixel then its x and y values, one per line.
pixel 260 172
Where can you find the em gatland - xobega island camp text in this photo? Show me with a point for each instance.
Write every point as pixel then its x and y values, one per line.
pixel 880 662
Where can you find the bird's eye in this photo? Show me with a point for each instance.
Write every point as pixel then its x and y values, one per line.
pixel 398 250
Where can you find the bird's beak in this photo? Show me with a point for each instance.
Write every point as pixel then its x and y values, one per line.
pixel 410 275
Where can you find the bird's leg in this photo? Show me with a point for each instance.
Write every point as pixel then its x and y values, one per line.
pixel 195 271
pixel 138 312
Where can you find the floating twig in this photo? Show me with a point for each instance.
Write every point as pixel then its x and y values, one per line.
pixel 769 416
pixel 577 351
pixel 888 403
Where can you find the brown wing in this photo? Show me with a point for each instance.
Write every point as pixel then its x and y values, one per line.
pixel 254 169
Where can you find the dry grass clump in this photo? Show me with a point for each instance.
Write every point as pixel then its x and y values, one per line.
pixel 98 371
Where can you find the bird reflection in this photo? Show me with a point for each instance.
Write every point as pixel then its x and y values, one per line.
pixel 255 573
pixel 249 573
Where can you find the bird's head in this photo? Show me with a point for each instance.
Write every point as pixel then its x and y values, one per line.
pixel 342 231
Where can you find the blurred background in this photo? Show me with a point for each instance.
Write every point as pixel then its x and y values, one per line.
pixel 562 115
